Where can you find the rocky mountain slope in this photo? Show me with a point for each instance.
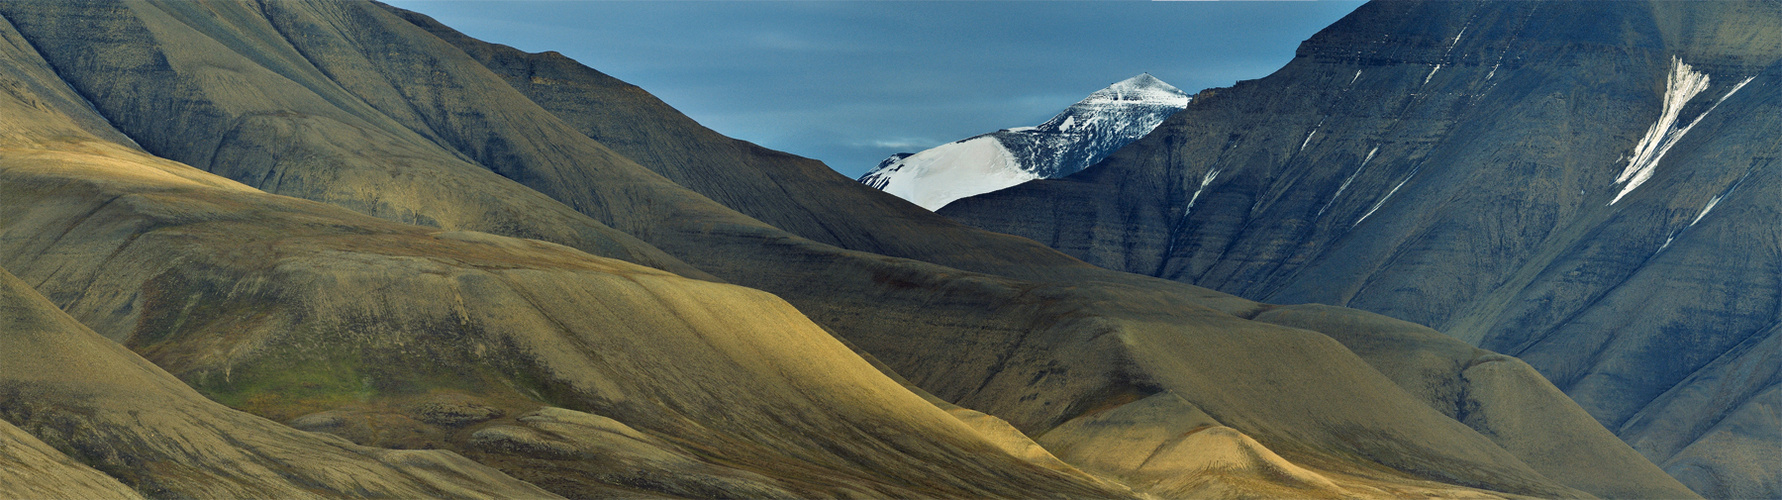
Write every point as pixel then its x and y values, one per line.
pixel 1584 185
pixel 1076 138
pixel 352 220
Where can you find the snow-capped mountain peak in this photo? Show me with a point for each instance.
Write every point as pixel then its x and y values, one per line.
pixel 1141 89
pixel 1076 138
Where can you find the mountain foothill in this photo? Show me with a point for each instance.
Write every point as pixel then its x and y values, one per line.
pixel 271 249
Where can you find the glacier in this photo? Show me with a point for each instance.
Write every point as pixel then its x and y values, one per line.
pixel 949 172
pixel 1080 136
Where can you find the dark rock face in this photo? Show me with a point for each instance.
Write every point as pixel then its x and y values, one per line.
pixel 1587 186
pixel 1095 127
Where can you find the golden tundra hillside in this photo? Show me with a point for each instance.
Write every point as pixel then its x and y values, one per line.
pixel 285 249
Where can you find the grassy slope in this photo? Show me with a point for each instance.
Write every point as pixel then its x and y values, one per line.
pixel 421 337
pixel 111 409
pixel 285 307
pixel 208 280
pixel 31 469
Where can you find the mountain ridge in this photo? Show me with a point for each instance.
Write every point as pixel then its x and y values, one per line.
pixel 856 345
pixel 1069 142
pixel 1482 173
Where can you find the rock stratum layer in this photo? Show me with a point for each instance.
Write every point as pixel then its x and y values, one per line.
pixel 1589 186
pixel 472 271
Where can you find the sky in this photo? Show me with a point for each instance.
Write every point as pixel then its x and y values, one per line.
pixel 852 82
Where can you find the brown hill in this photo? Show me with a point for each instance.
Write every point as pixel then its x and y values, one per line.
pixel 593 376
pixel 405 336
pixel 31 469
pixel 413 337
pixel 113 410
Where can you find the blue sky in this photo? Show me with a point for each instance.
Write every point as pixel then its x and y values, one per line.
pixel 850 83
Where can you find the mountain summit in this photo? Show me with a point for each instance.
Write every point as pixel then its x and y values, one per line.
pixel 1076 138
pixel 260 249
pixel 1445 163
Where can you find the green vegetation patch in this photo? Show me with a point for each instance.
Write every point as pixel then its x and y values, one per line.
pixel 281 388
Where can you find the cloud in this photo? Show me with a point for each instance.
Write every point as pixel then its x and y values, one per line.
pixel 902 144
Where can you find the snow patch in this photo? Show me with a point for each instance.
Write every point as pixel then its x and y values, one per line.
pixel 1143 88
pixel 1729 93
pixel 1705 210
pixel 1682 86
pixel 936 177
pixel 1712 202
pixel 1716 200
pixel 1388 196
pixel 1315 129
pixel 1346 182
pixel 1204 181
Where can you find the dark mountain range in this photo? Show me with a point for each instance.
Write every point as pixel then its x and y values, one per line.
pixel 477 272
pixel 1589 186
